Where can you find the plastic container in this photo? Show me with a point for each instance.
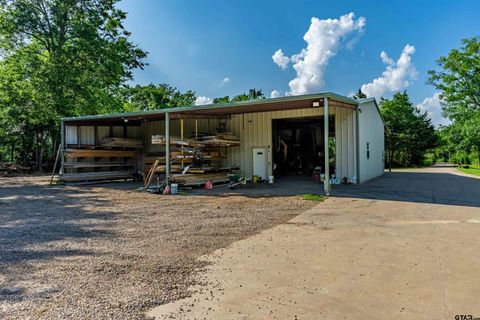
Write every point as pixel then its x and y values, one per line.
pixel 174 188
pixel 255 179
pixel 270 179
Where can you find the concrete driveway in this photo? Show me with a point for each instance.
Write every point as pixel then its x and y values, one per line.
pixel 404 246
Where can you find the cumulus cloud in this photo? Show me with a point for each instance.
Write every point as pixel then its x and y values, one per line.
pixel 275 94
pixel 280 59
pixel 386 59
pixel 397 75
pixel 433 107
pixel 224 81
pixel 324 38
pixel 200 101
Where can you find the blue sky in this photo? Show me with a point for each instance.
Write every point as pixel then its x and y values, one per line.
pixel 197 44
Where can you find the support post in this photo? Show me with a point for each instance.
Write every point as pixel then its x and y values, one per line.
pixel 167 148
pixel 326 182
pixel 62 147
pixel 196 129
pixel 181 138
pixel 357 140
pixel 390 153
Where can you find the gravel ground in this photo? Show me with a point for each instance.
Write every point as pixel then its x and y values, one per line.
pixel 108 252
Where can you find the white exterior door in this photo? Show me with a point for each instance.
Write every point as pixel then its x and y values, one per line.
pixel 260 162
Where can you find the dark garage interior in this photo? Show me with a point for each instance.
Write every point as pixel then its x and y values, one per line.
pixel 298 146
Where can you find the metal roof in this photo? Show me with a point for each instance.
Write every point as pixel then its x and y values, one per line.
pixel 224 109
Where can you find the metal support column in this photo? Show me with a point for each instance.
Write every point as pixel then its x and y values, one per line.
pixel 326 182
pixel 62 146
pixel 167 148
pixel 357 141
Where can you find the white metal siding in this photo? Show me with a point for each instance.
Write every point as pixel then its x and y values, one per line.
pixel 102 133
pixel 345 130
pixel 87 135
pixel 71 135
pixel 371 130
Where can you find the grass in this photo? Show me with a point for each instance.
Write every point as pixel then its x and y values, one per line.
pixel 472 170
pixel 313 197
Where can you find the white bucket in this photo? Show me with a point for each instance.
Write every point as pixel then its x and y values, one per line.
pixel 270 179
pixel 174 188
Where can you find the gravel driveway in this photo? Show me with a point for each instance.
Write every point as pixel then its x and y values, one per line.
pixel 107 252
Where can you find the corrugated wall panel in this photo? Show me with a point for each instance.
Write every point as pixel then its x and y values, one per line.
pixel 71 135
pixel 102 133
pixel 133 132
pixel 117 132
pixel 87 135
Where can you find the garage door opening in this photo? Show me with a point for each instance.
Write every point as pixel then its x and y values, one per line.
pixel 298 146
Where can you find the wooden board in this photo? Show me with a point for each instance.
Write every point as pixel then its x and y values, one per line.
pixel 79 153
pixel 198 179
pixel 77 165
pixel 93 176
pixel 122 142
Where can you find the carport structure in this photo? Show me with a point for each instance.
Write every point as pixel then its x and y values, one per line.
pixel 253 123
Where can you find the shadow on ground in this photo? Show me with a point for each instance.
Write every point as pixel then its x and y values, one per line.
pixel 33 216
pixel 438 185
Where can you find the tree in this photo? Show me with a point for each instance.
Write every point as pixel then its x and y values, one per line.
pixel 459 83
pixel 459 79
pixel 225 99
pixel 152 97
pixel 60 58
pixel 412 133
pixel 252 95
pixel 359 95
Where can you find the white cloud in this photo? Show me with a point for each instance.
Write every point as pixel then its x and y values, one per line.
pixel 275 94
pixel 433 107
pixel 324 38
pixel 280 59
pixel 397 75
pixel 386 59
pixel 200 101
pixel 224 81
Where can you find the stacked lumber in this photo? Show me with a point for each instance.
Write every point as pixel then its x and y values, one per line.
pixel 78 165
pixel 199 179
pixel 95 176
pixel 160 139
pixel 224 139
pixel 122 142
pixel 81 153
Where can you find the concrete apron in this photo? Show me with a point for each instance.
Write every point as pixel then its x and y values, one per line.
pixel 346 259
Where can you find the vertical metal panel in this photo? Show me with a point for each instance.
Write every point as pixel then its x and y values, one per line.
pixel 117 131
pixel 133 132
pixel 71 135
pixel 87 135
pixel 102 133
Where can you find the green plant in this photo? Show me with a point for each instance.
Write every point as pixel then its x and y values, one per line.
pixel 313 197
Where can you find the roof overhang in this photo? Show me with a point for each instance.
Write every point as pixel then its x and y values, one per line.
pixel 219 110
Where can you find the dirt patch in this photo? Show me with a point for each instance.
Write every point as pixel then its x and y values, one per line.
pixel 107 252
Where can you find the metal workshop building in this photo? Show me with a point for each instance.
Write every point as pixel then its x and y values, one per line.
pixel 280 136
